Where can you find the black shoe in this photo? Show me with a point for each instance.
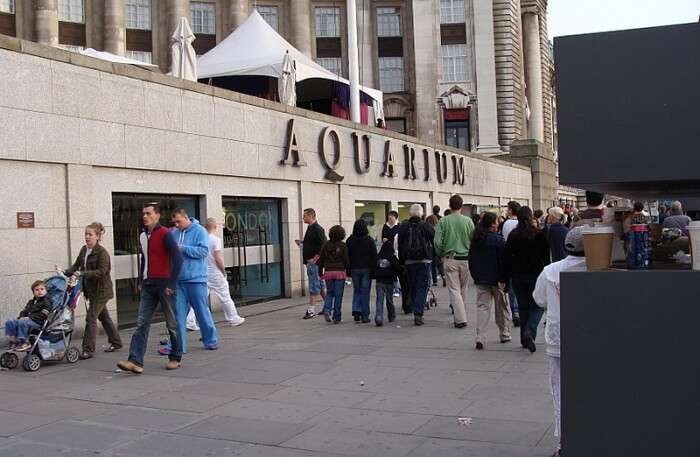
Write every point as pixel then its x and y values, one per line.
pixel 435 284
pixel 531 345
pixel 309 315
pixel 327 316
pixel 460 325
pixel 356 317
pixel 392 317
pixel 452 308
pixel 365 321
pixel 516 322
pixel 379 323
pixel 444 283
pixel 479 346
pixel 418 320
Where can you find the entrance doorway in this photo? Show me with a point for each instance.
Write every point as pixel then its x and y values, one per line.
pixel 128 224
pixel 253 248
pixel 374 214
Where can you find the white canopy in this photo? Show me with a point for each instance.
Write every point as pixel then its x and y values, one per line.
pixel 255 48
pixel 113 58
pixel 183 57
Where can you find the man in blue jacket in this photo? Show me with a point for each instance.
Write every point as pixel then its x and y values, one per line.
pixel 193 241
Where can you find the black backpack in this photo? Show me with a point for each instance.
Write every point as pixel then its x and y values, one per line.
pixel 417 246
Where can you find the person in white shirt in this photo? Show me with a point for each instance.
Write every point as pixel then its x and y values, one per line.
pixel 547 295
pixel 216 281
pixel 508 226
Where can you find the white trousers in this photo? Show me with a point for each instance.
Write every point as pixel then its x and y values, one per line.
pixel 555 386
pixel 218 286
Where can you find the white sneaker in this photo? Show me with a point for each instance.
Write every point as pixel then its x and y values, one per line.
pixel 192 328
pixel 237 322
pixel 396 294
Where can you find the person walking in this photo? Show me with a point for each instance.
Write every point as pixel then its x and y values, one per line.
pixel 547 295
pixel 508 226
pixel 159 269
pixel 216 275
pixel 438 263
pixel 385 274
pixel 314 237
pixel 94 266
pixel 487 269
pixel 452 241
pixel 334 265
pixel 526 254
pixel 415 254
pixel 556 233
pixel 362 252
pixel 389 232
pixel 193 242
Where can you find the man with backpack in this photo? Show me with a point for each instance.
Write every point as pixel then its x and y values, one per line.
pixel 452 241
pixel 416 254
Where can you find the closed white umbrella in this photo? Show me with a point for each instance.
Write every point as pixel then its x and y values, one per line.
pixel 287 83
pixel 183 57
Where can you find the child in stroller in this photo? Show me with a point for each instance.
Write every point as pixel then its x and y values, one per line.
pixel 50 338
pixel 32 317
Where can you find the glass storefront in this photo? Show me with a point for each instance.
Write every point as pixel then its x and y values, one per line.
pixel 253 248
pixel 374 213
pixel 126 217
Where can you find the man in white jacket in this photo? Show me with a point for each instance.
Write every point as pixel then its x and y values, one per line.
pixel 547 295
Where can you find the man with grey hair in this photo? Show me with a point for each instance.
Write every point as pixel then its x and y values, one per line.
pixel 677 219
pixel 415 241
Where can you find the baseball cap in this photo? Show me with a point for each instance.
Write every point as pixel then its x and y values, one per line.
pixel 574 241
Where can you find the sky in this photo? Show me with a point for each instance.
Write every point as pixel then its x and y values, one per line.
pixel 572 17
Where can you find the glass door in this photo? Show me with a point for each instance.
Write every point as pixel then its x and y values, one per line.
pixel 253 248
pixel 374 213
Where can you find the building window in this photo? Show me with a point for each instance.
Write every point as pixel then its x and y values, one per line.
pixel 332 64
pixel 71 11
pixel 391 74
pixel 454 62
pixel 269 14
pixel 7 6
pixel 396 124
pixel 138 14
pixel 457 128
pixel 388 22
pixel 452 11
pixel 141 56
pixel 327 22
pixel 203 18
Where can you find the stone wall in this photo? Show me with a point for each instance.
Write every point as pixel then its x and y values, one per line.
pixel 77 129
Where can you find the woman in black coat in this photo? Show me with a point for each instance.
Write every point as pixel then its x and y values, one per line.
pixel 363 257
pixel 525 256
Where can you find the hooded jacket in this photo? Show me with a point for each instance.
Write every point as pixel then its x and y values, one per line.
pixel 387 267
pixel 194 246
pixel 548 295
pixel 486 260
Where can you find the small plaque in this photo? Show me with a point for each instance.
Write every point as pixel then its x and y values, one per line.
pixel 25 220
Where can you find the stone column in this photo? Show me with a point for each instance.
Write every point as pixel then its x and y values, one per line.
pixel 426 39
pixel 115 27
pixel 238 13
pixel 46 21
pixel 533 72
pixel 485 60
pixel 365 39
pixel 540 159
pixel 301 25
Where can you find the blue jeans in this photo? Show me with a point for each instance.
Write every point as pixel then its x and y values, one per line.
pixel 196 295
pixel 315 282
pixel 334 298
pixel 384 292
pixel 530 312
pixel 361 285
pixel 418 276
pixel 151 297
pixel 20 328
pixel 513 300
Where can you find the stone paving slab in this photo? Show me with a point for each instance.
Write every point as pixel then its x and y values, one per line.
pixel 490 430
pixel 173 445
pixel 377 421
pixel 146 419
pixel 453 448
pixel 12 423
pixel 269 410
pixel 80 435
pixel 178 401
pixel 319 397
pixel 232 390
pixel 27 449
pixel 429 403
pixel 245 430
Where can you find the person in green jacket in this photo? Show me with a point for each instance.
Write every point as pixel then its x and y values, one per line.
pixel 452 241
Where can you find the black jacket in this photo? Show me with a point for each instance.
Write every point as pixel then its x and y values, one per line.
pixel 37 309
pixel 390 273
pixel 390 232
pixel 486 260
pixel 362 252
pixel 314 238
pixel 556 235
pixel 428 234
pixel 525 258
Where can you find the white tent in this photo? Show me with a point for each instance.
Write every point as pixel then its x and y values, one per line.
pixel 182 55
pixel 256 49
pixel 113 58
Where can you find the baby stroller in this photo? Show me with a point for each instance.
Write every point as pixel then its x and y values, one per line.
pixel 52 341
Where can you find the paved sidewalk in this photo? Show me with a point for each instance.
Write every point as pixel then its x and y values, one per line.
pixel 281 386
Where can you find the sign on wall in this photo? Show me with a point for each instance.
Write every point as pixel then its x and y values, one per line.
pixel 25 219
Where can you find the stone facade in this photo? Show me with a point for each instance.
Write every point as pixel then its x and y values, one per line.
pixel 493 32
pixel 78 130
